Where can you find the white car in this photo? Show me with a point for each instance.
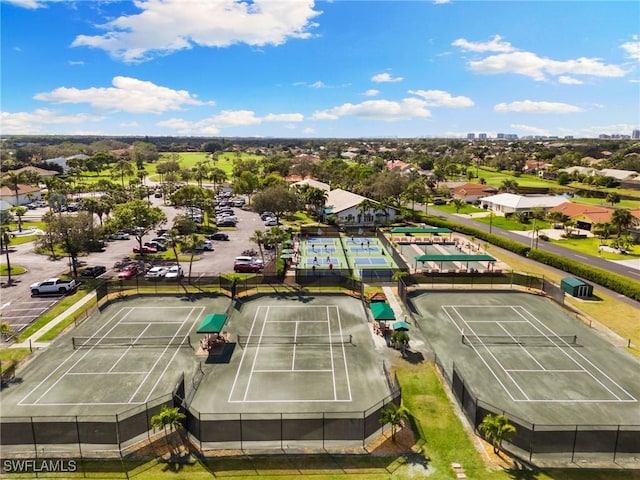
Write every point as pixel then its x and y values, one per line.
pixel 205 245
pixel 156 272
pixel 174 272
pixel 271 222
pixel 120 236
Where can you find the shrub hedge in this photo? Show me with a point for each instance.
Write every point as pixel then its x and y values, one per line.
pixel 613 281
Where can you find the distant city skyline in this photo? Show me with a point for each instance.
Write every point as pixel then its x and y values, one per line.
pixel 334 69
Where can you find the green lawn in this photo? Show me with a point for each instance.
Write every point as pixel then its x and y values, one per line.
pixel 630 204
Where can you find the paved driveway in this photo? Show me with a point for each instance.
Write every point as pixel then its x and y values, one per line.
pixel 19 308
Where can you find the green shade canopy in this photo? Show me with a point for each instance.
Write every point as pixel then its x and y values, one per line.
pixel 455 258
pixel 212 323
pixel 401 326
pixel 382 311
pixel 286 256
pixel 288 250
pixel 420 230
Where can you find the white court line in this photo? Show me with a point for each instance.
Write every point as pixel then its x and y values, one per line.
pixel 107 373
pixel 482 359
pixel 154 323
pixel 244 352
pixel 283 370
pixel 296 321
pixel 27 309
pixel 293 357
pixel 571 348
pixel 494 321
pixel 532 370
pixel 170 362
pixel 8 317
pixel 76 362
pixel 81 404
pixel 333 368
pixel 255 357
pixel 525 350
pixel 128 349
pixel 344 354
pixel 291 401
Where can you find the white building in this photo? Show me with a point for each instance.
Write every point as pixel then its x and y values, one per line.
pixel 345 206
pixel 508 203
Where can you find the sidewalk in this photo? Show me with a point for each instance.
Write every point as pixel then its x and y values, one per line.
pixel 31 341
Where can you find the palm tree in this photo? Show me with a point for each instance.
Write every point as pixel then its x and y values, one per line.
pixel 622 219
pixel 495 429
pixel 509 185
pixel 6 241
pixel 394 415
pixel 122 169
pixel 19 212
pixel 217 175
pixel 200 172
pixel 259 237
pixel 168 418
pixel 458 204
pixel 365 206
pixel 613 198
pixel 13 180
pixel 400 338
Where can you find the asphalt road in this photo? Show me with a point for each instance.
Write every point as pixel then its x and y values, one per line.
pixel 608 265
pixel 19 308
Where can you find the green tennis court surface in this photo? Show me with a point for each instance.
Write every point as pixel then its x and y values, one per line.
pixel 525 355
pixel 299 354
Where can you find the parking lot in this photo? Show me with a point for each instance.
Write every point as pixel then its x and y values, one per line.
pixel 19 308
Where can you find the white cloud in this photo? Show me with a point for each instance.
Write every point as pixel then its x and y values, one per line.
pixel 385 78
pixel 129 124
pixel 439 98
pixel 163 27
pixel 284 117
pixel 531 65
pixel 385 110
pixel 127 95
pixel 318 84
pixel 529 106
pixel 531 130
pixel 41 120
pixel 566 80
pixel 632 48
pixel 441 2
pixel 31 4
pixel 73 63
pixel 226 119
pixel 372 92
pixel 494 45
pixel 309 131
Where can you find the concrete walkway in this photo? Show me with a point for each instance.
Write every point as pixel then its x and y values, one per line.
pixel 31 341
pixel 394 303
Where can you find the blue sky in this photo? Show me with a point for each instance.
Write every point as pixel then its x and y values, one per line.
pixel 301 68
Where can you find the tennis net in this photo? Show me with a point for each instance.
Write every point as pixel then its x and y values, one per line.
pixel 534 340
pixel 97 342
pixel 267 340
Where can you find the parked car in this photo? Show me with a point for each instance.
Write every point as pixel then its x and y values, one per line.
pixel 219 236
pixel 156 272
pixel 145 250
pixel 272 222
pixel 53 285
pixel 247 267
pixel 130 271
pixel 159 246
pixel 265 215
pixel 120 236
pixel 31 206
pixel 226 222
pixel 158 195
pixel 224 218
pixel 205 245
pixel 94 271
pixel 174 272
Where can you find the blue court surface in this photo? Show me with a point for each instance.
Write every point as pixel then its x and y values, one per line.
pixel 320 240
pixel 371 249
pixel 323 261
pixel 321 249
pixel 370 261
pixel 359 240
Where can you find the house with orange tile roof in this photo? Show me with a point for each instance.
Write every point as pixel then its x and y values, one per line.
pixel 584 216
pixel 472 192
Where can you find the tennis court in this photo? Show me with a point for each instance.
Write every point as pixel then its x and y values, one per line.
pixel 311 354
pixel 524 354
pixel 335 261
pixel 125 356
pixel 378 261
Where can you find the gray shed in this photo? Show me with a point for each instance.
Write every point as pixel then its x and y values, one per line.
pixel 576 287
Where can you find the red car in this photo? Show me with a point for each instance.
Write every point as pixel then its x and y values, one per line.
pixel 130 271
pixel 247 267
pixel 145 250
